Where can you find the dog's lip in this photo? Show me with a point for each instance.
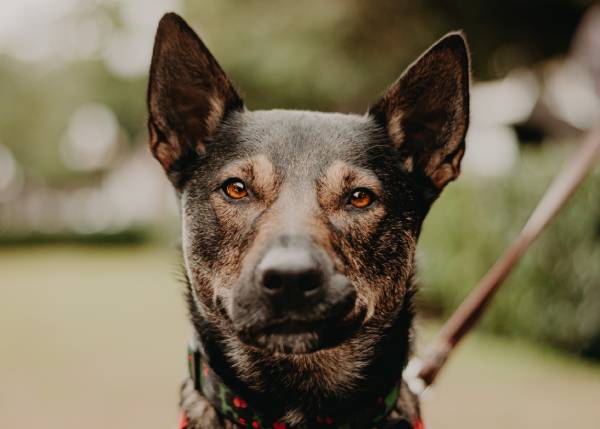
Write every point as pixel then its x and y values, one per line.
pixel 308 335
pixel 295 322
pixel 302 336
pixel 305 337
pixel 337 315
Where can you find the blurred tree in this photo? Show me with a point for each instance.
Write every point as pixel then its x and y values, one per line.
pixel 554 293
pixel 308 54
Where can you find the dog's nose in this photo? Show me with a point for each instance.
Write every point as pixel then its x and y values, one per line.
pixel 290 276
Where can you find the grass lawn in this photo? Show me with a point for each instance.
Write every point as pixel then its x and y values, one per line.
pixel 95 337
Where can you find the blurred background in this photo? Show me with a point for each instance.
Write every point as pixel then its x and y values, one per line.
pixel 92 320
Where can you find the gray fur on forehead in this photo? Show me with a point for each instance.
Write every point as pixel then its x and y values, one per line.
pixel 290 136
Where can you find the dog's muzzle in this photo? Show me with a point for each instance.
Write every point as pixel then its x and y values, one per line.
pixel 294 302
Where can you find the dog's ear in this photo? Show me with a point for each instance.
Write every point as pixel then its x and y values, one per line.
pixel 188 96
pixel 426 111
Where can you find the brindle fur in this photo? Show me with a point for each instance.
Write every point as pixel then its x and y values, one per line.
pixel 299 168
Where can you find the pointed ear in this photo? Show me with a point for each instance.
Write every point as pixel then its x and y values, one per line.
pixel 188 96
pixel 426 111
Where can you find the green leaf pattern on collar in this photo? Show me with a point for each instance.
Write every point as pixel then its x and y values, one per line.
pixel 236 409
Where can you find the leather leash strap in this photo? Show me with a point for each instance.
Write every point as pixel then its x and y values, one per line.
pixel 468 314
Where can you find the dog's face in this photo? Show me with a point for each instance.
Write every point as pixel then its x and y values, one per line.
pixel 299 228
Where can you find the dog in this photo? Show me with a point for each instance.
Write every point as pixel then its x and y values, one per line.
pixel 298 236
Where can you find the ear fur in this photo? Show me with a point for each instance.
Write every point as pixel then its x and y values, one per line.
pixel 188 96
pixel 426 111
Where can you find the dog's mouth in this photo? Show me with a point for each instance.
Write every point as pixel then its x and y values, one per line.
pixel 300 334
pixel 300 337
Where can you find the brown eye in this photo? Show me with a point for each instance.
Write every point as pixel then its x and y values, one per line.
pixel 235 189
pixel 361 198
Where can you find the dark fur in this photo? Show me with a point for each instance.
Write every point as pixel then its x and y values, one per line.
pixel 299 168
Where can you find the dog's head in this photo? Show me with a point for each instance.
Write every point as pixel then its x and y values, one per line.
pixel 299 228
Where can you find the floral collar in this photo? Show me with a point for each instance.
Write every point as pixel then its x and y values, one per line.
pixel 236 409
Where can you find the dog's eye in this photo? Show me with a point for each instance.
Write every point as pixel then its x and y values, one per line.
pixel 361 198
pixel 235 189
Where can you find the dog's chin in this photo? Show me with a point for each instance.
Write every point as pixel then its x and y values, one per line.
pixel 286 343
pixel 303 337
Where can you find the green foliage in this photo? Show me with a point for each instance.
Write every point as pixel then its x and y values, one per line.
pixel 554 293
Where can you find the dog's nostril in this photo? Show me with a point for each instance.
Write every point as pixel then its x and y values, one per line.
pixel 305 281
pixel 309 281
pixel 272 280
pixel 290 276
pixel 286 281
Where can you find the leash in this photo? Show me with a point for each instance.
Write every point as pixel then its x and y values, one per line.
pixel 422 374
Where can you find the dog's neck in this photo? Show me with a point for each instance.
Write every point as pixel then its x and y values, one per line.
pixel 295 387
